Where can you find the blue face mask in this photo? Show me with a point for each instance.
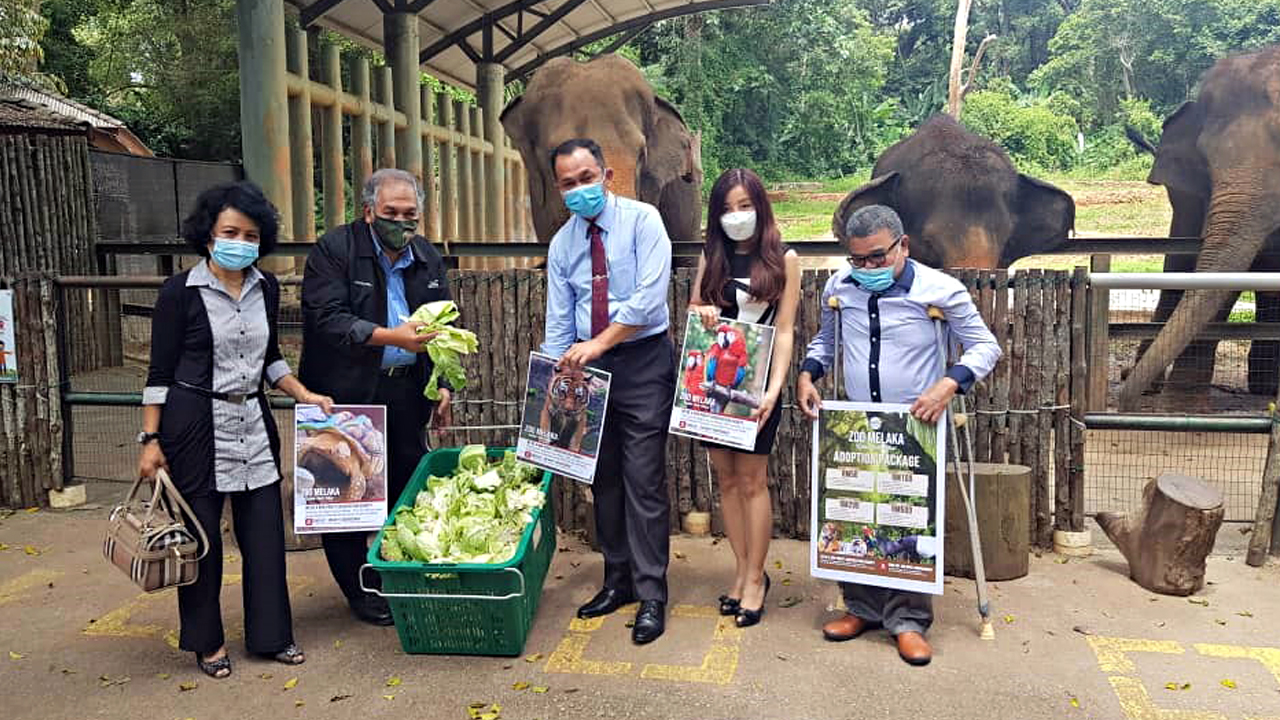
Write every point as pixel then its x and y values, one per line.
pixel 874 279
pixel 586 201
pixel 233 254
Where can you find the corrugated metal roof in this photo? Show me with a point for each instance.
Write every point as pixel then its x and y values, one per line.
pixel 564 23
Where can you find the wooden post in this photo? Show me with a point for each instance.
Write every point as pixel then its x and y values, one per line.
pixel 400 37
pixel 466 180
pixel 1031 398
pixel 1047 395
pixel 335 203
pixel 1001 500
pixel 431 206
pixel 999 377
pixel 490 79
pixel 264 114
pixel 301 164
pixel 361 133
pixel 1079 384
pixel 386 128
pixel 448 172
pixel 1260 542
pixel 479 179
pixel 1062 404
pixel 1099 341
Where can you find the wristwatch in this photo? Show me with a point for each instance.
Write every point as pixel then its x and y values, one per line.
pixel 145 437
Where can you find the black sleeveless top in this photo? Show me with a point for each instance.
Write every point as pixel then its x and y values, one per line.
pixel 737 292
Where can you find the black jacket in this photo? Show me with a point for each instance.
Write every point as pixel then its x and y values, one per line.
pixel 344 298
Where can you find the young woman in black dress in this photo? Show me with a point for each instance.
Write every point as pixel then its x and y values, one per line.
pixel 747 274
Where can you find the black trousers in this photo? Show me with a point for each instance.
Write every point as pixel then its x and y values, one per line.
pixel 630 488
pixel 407 416
pixel 258 519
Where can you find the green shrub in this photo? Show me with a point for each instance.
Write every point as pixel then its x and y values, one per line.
pixel 1033 134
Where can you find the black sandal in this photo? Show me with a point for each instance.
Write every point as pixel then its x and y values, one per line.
pixel 729 605
pixel 291 655
pixel 216 669
pixel 747 617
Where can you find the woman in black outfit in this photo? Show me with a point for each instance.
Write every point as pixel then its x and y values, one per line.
pixel 213 343
pixel 746 273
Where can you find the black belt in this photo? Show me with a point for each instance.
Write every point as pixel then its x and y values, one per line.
pixel 634 344
pixel 234 398
pixel 396 371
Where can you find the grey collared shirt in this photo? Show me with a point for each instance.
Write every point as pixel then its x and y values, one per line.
pixel 241 448
pixel 889 348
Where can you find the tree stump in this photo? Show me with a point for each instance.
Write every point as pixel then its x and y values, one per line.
pixel 1002 502
pixel 1167 542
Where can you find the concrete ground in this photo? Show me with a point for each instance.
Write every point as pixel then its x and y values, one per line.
pixel 1073 639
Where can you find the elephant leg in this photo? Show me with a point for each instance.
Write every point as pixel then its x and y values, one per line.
pixel 1169 300
pixel 1193 370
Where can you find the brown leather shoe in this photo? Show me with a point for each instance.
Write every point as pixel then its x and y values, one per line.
pixel 914 649
pixel 844 628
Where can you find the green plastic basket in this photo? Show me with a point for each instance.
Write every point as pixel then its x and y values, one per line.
pixel 466 609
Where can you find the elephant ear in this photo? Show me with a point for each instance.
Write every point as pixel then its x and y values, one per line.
pixel 1045 215
pixel 513 119
pixel 882 190
pixel 670 131
pixel 1179 164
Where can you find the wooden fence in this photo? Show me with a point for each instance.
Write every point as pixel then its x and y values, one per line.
pixel 1024 411
pixel 31 452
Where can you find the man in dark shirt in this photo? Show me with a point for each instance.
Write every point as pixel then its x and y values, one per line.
pixel 361 283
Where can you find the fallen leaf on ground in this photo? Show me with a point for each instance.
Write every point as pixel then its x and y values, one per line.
pixel 1008 619
pixel 68 671
pixel 184 687
pixel 339 698
pixel 1082 630
pixel 265 676
pixel 777 564
pixel 574 563
pixel 31 550
pixel 571 690
pixel 790 601
pixel 1198 601
pixel 33 509
pixel 108 681
pixel 3 546
pixel 782 657
pixel 533 658
pixel 1229 684
pixel 679 555
pixel 337 644
pixel 1075 703
pixel 786 581
pixel 1220 621
pixel 540 689
pixel 520 685
pixel 1245 613
pixel 299 703
pixel 15 655
pixel 393 682
pixel 1063 560
pixel 559 577
pixel 291 683
pixel 630 623
pixel 507 666
pixel 1177 686
pixel 162 676
pixel 388 697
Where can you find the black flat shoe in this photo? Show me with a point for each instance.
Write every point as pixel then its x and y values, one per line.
pixel 651 621
pixel 216 669
pixel 729 605
pixel 747 617
pixel 605 602
pixel 373 610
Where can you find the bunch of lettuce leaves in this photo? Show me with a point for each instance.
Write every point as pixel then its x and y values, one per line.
pixel 447 347
pixel 475 515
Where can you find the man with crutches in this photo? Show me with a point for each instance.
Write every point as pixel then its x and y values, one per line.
pixel 875 319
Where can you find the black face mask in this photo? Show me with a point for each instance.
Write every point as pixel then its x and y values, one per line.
pixel 394 234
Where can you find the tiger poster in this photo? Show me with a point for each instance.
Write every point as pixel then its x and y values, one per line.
pixel 723 375
pixel 340 468
pixel 563 417
pixel 877 497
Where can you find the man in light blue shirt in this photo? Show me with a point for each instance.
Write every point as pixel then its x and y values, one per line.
pixel 890 355
pixel 608 269
pixel 398 310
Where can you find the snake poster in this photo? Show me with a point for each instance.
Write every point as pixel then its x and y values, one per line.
pixel 877 498
pixel 340 468
pixel 563 417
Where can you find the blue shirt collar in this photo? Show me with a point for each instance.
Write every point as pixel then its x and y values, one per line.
pixel 606 219
pixel 405 259
pixel 901 284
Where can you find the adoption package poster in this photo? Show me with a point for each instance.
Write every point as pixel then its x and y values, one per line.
pixel 877 497
pixel 340 468
pixel 724 374
pixel 563 417
pixel 8 347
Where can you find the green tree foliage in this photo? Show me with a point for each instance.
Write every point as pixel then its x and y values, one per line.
pixel 21 29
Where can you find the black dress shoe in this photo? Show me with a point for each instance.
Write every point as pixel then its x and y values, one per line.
pixel 373 610
pixel 651 620
pixel 605 602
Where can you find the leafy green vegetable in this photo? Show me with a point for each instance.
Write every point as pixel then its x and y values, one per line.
pixel 447 347
pixel 475 515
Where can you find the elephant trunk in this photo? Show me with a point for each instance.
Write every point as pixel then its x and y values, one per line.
pixel 1235 230
pixel 624 161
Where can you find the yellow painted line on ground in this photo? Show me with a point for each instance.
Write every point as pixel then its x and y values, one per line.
pixel 696 612
pixel 1137 704
pixel 568 658
pixel 1269 657
pixel 1113 652
pixel 13 589
pixel 719 666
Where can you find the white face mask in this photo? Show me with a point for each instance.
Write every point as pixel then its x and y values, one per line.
pixel 739 225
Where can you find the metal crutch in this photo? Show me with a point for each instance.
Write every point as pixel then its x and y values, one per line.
pixel 959 425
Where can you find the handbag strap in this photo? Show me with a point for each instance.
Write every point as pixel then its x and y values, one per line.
pixel 175 497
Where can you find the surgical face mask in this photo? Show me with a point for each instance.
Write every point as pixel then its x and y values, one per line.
pixel 739 225
pixel 874 279
pixel 586 201
pixel 233 254
pixel 394 234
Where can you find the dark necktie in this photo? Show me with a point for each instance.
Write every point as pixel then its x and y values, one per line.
pixel 599 282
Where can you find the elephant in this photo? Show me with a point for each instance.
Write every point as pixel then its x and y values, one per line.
pixel 654 157
pixel 962 202
pixel 1219 162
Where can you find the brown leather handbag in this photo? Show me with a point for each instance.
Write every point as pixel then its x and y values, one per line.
pixel 148 541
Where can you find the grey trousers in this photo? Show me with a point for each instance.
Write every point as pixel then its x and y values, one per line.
pixel 897 610
pixel 630 488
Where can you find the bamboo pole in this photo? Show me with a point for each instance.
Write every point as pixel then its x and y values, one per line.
pixel 448 173
pixel 431 208
pixel 301 162
pixel 335 202
pixel 480 181
pixel 386 128
pixel 361 133
pixel 466 180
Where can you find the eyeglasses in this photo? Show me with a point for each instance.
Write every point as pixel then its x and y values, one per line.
pixel 875 259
